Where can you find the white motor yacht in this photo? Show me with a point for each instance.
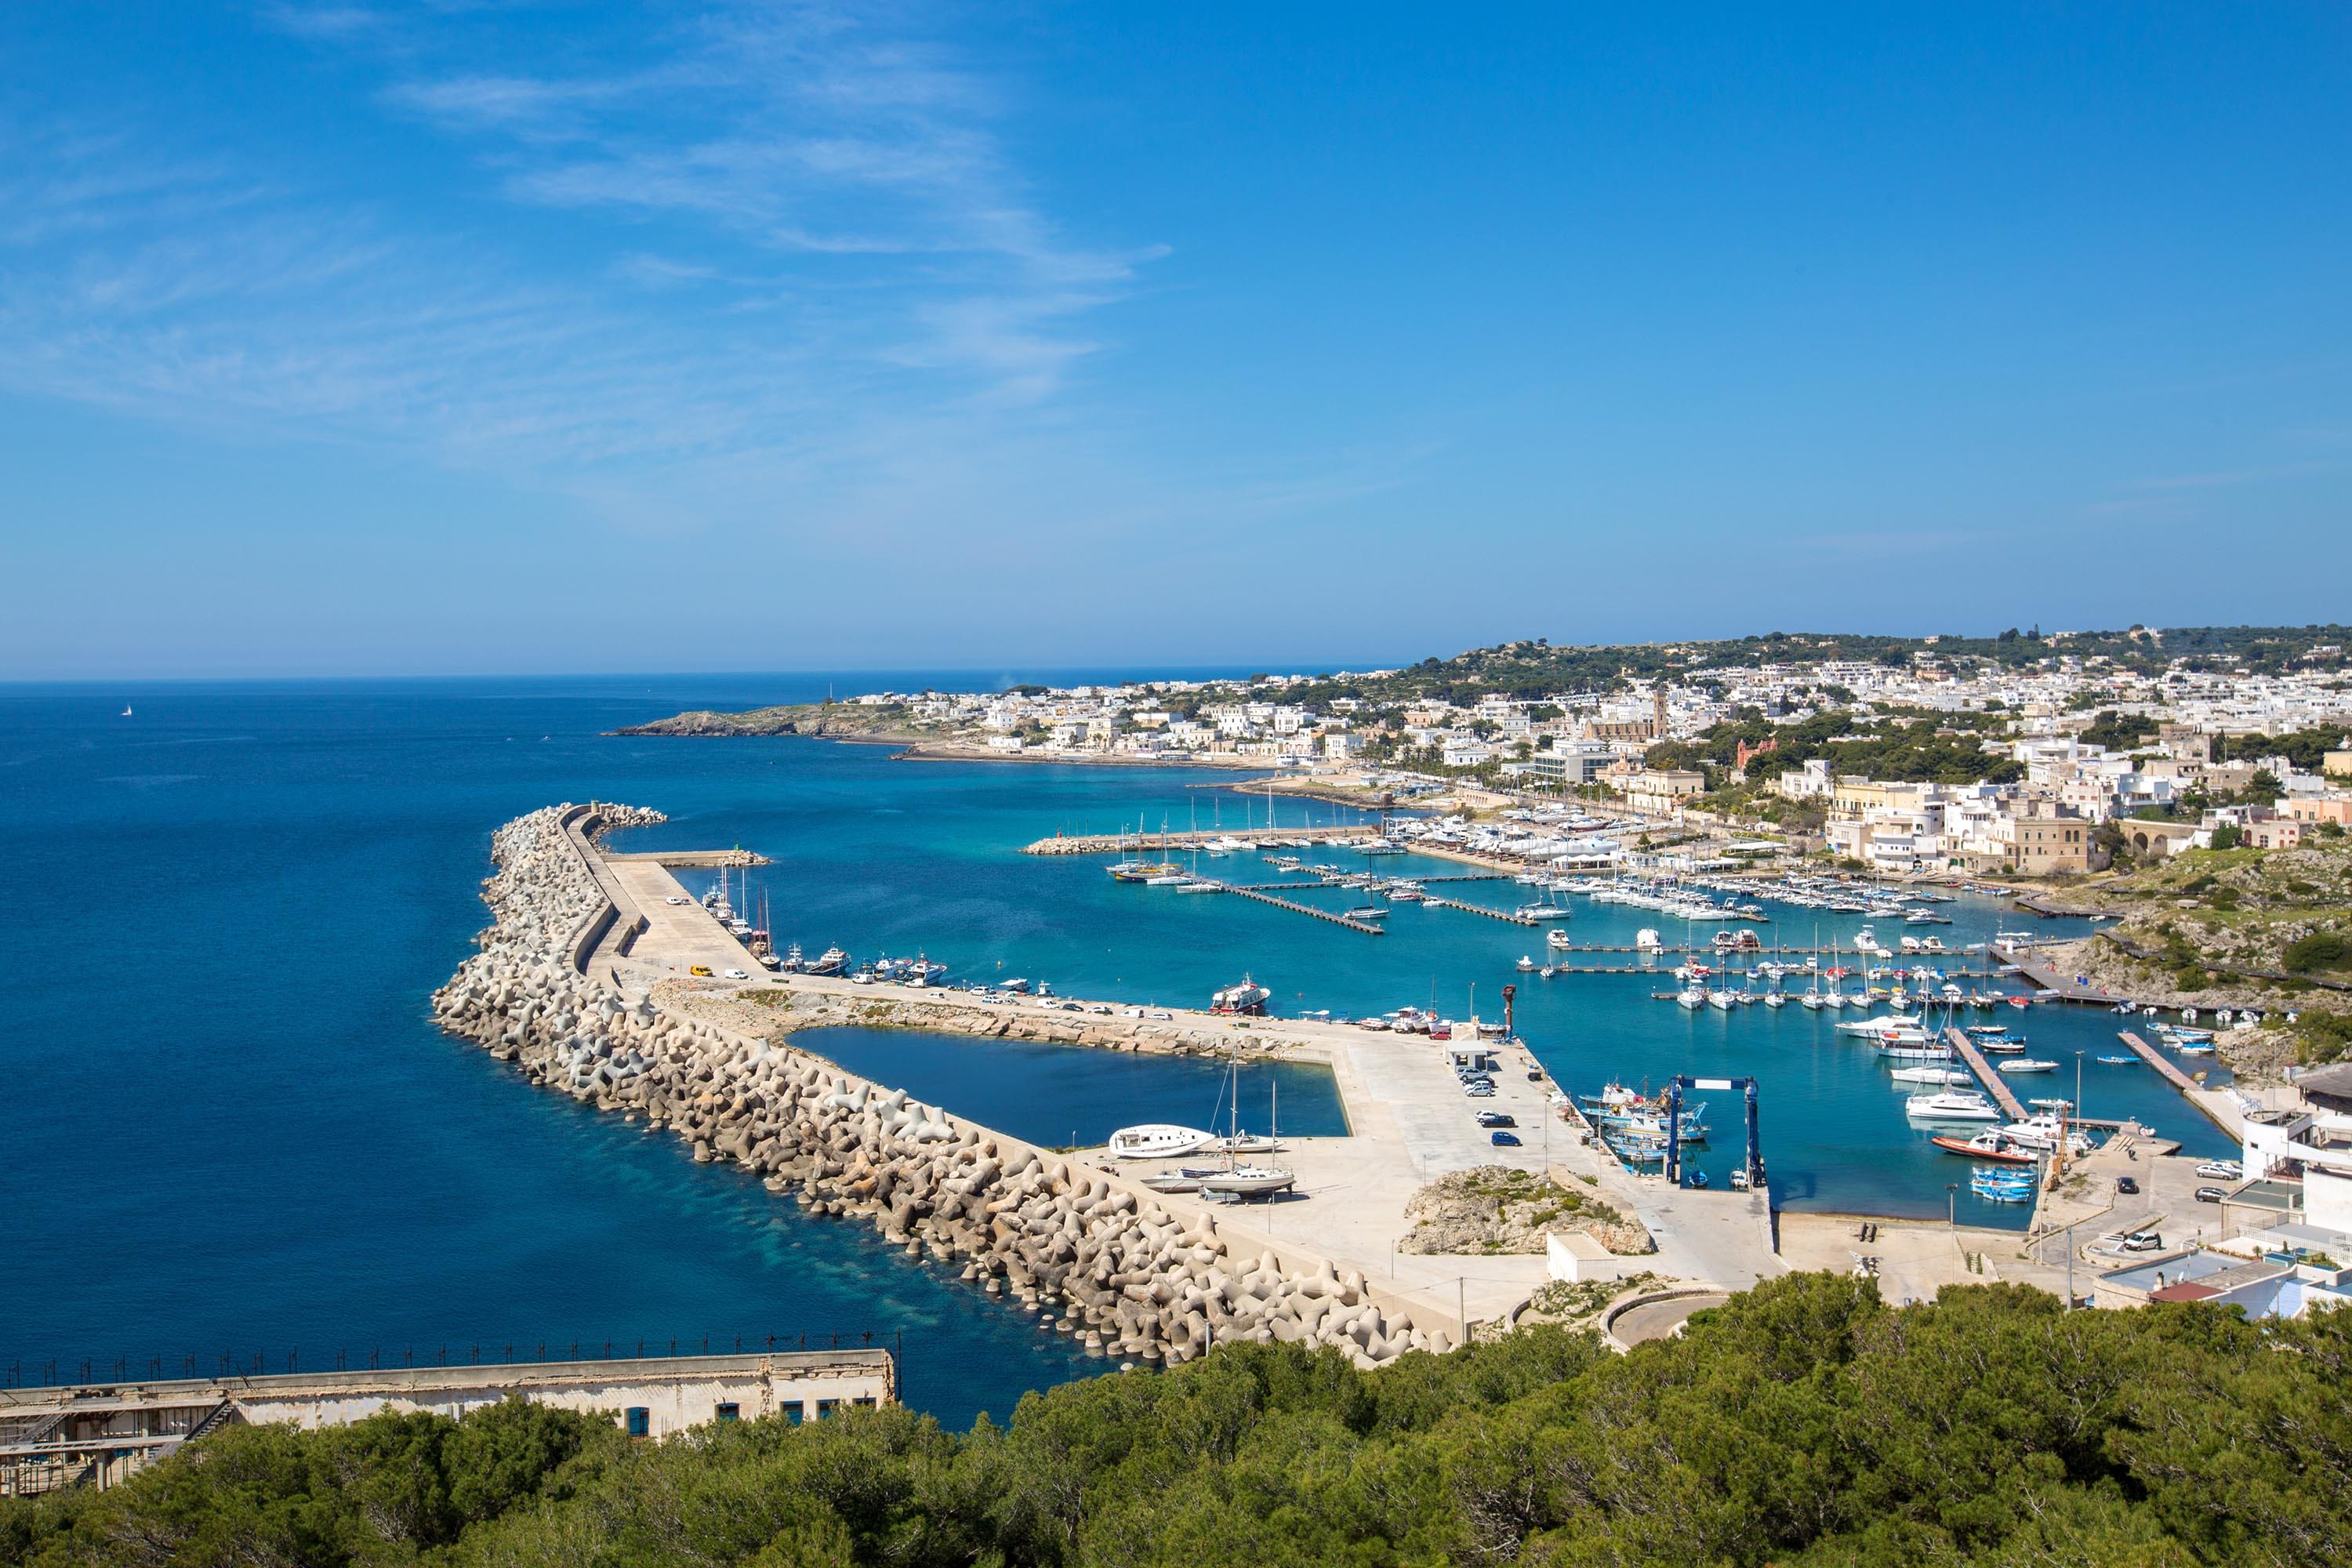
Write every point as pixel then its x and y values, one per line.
pixel 1157 1141
pixel 1941 1076
pixel 1558 938
pixel 1951 1105
pixel 2046 1131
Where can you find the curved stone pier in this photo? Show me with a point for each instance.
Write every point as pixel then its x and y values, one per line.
pixel 1128 1274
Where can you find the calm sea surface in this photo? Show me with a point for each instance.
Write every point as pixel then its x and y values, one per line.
pixel 231 1129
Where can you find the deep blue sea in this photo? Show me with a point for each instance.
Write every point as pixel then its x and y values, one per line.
pixel 231 1129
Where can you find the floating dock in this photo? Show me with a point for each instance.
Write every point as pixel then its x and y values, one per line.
pixel 1966 1049
pixel 2154 1059
pixel 1367 927
pixel 1505 915
pixel 1150 843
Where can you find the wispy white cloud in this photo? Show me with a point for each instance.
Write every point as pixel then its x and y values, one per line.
pixel 836 239
pixel 774 268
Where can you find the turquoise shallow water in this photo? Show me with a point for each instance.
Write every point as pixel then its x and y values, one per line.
pixel 235 1131
pixel 1061 1098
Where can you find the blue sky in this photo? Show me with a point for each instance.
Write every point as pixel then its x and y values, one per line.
pixel 452 337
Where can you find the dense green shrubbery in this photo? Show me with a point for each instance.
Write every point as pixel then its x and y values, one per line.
pixel 1805 1424
pixel 2316 950
pixel 1903 748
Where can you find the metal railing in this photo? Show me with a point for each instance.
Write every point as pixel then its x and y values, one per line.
pixel 68 1372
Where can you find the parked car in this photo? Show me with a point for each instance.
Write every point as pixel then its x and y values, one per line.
pixel 1497 1119
pixel 2126 1184
pixel 2222 1169
pixel 2210 1194
pixel 701 969
pixel 738 974
pixel 1506 1140
pixel 2143 1241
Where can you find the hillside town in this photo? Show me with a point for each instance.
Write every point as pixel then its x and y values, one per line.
pixel 2045 769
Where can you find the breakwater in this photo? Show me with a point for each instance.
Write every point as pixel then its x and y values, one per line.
pixel 795 1004
pixel 1195 838
pixel 1133 1273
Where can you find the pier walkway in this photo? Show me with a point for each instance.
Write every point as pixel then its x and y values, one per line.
pixel 1151 843
pixel 1367 927
pixel 1518 920
pixel 2219 1107
pixel 2054 987
pixel 1408 1124
pixel 1965 1049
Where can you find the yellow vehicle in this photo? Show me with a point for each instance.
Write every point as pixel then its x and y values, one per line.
pixel 701 969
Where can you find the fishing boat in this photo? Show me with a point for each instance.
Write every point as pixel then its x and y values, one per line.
pixel 2047 1131
pixel 2002 1186
pixel 1990 1145
pixel 1247 998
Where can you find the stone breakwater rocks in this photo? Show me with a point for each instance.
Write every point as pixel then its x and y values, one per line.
pixel 1130 1277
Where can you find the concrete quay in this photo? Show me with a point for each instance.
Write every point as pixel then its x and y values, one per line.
pixel 1130 1271
pixel 584 983
pixel 1408 1122
pixel 1194 838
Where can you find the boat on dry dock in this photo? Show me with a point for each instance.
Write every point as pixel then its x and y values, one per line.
pixel 1157 1141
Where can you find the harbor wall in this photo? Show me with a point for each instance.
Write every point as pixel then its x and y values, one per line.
pixel 805 1006
pixel 1133 1272
pixel 616 920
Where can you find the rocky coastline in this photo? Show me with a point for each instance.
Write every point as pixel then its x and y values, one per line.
pixel 1128 1273
pixel 829 720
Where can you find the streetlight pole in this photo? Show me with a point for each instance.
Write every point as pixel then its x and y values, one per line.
pixel 1952 1205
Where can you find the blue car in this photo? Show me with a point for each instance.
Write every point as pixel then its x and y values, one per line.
pixel 1506 1140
